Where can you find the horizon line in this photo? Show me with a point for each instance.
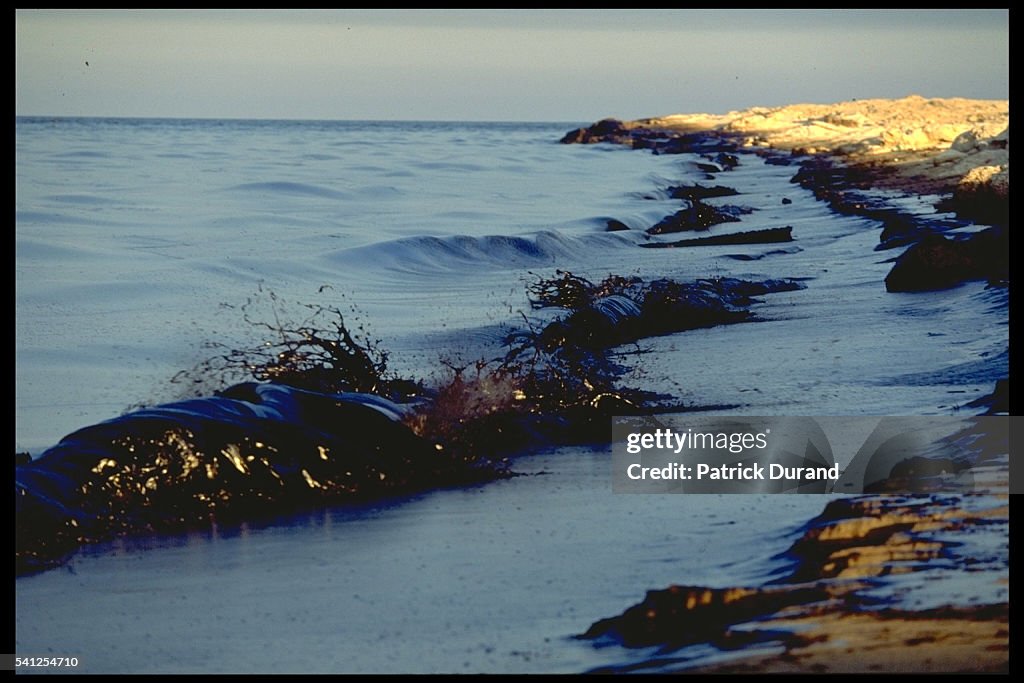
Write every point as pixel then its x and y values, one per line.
pixel 280 119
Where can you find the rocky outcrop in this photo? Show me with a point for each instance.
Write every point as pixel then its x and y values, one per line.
pixel 940 262
pixel 605 130
pixel 697 216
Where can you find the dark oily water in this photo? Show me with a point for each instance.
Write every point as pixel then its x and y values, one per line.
pixel 137 241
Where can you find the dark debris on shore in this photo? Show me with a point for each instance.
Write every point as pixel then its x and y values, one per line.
pixel 322 421
pixel 931 261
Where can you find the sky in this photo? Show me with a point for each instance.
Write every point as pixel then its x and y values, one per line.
pixel 494 65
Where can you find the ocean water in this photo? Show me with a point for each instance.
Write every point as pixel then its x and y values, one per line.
pixel 138 241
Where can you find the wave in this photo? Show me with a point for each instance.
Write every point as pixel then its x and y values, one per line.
pixel 297 439
pixel 290 188
pixel 450 166
pixel 83 154
pixel 459 252
pixel 251 450
pixel 320 157
pixel 83 199
pixel 60 218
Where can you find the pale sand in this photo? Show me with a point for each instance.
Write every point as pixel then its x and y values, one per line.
pixel 934 145
pixel 943 640
pixel 854 545
pixel 863 643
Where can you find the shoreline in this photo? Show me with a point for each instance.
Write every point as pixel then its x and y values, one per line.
pixel 913 144
pixel 822 615
pixel 955 149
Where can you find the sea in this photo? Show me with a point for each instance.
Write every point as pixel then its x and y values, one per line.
pixel 143 247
